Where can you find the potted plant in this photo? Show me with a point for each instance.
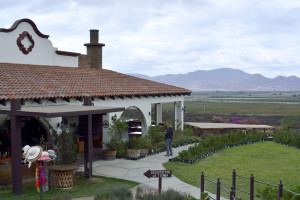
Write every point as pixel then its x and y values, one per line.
pixel 145 145
pixel 65 160
pixel 133 150
pixel 115 144
pixel 66 149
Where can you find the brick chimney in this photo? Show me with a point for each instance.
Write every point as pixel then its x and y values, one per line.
pixel 93 58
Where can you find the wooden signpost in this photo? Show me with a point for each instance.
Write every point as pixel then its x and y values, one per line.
pixel 158 174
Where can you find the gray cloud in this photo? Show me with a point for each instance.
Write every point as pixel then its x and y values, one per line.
pixel 173 36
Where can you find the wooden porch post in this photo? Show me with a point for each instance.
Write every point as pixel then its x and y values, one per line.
pixel 16 148
pixel 88 141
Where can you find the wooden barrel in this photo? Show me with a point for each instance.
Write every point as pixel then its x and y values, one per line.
pixel 109 155
pixel 5 173
pixel 144 152
pixel 133 153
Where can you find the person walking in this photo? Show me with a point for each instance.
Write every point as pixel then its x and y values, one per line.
pixel 169 139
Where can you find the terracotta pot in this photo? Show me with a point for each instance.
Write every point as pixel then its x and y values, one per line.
pixel 109 155
pixel 133 153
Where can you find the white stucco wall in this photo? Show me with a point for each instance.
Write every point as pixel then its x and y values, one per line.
pixel 43 52
pixel 143 104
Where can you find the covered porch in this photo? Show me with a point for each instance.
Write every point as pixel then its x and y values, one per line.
pixel 85 111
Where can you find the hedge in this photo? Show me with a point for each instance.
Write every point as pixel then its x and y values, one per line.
pixel 214 143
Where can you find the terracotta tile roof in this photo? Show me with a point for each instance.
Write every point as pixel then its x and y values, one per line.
pixel 42 82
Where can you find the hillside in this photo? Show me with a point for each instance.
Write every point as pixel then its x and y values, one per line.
pixel 226 79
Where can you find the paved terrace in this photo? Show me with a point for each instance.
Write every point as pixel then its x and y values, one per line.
pixel 133 170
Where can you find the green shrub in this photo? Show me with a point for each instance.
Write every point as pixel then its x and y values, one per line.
pixel 113 193
pixel 133 142
pixel 115 131
pixel 213 142
pixel 66 153
pixel 156 134
pixel 170 194
pixel 271 193
pixel 204 196
pixel 145 142
pixel 121 149
pixel 288 136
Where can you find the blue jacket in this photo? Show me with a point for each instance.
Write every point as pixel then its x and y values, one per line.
pixel 169 134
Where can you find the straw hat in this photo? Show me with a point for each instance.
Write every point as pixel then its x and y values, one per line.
pixel 33 153
pixel 25 149
pixel 45 157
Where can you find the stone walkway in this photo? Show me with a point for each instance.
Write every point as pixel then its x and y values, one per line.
pixel 134 170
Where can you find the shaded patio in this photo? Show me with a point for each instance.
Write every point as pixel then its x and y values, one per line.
pixel 86 112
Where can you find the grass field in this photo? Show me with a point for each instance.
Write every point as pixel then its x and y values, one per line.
pixel 82 188
pixel 200 107
pixel 267 161
pixel 242 108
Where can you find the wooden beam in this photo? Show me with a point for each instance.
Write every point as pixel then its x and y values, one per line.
pixel 112 97
pixel 23 102
pixel 138 96
pixel 39 101
pixel 102 98
pixel 146 96
pixel 129 97
pixel 79 99
pixel 67 99
pixel 53 100
pixel 16 148
pixel 121 97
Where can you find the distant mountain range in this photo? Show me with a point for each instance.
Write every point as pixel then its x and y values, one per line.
pixel 226 79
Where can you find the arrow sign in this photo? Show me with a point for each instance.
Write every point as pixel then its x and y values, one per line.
pixel 158 173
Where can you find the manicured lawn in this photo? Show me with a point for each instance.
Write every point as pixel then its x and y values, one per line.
pixel 267 161
pixel 82 188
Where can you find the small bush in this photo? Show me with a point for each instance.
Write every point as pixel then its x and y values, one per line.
pixel 214 142
pixel 170 194
pixel 271 193
pixel 113 193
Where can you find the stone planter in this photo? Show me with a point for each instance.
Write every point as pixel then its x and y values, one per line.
pixel 144 152
pixel 133 153
pixel 109 155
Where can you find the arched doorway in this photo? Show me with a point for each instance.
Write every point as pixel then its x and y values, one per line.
pixel 33 132
pixel 135 120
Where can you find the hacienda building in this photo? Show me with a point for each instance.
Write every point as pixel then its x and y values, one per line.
pixel 45 90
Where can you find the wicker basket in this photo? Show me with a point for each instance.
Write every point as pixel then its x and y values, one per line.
pixel 64 179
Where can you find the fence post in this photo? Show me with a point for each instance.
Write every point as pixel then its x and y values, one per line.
pixel 202 183
pixel 232 193
pixel 218 190
pixel 251 187
pixel 233 181
pixel 280 186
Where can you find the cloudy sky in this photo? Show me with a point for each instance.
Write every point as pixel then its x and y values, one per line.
pixel 155 37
